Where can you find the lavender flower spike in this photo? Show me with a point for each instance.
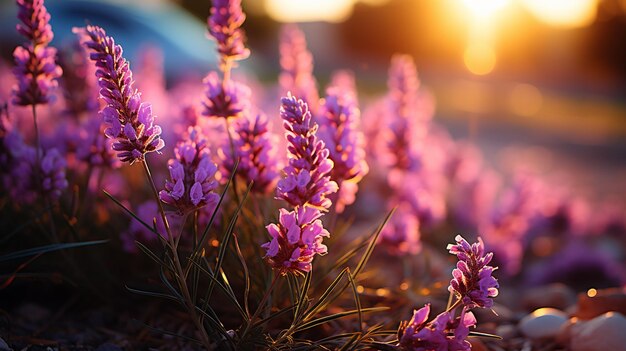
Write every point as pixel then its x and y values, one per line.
pixel 128 120
pixel 224 25
pixel 339 128
pixel 253 144
pixel 35 68
pixel 192 175
pixel 296 240
pixel 473 281
pixel 224 99
pixel 443 333
pixel 307 177
pixel 296 62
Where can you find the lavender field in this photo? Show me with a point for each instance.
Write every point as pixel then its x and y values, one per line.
pixel 294 175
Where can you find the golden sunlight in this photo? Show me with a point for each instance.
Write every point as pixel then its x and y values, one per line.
pixel 307 11
pixel 479 58
pixel 484 8
pixel 563 13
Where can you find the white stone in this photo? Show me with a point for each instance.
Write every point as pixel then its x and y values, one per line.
pixel 603 333
pixel 542 323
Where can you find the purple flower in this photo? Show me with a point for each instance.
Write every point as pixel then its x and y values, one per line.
pixel 340 131
pixel 25 180
pixel 473 282
pixel 192 175
pixel 441 334
pixel 79 80
pixel 296 239
pixel 307 176
pixel 296 62
pixel 224 25
pixel 401 149
pixel 224 99
pixel 128 120
pixel 254 146
pixel 94 148
pixel 35 68
pixel 149 213
pixel 401 235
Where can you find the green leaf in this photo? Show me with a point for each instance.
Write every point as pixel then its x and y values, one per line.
pixel 48 248
pixel 357 301
pixel 132 214
pixel 484 335
pixel 214 214
pixel 246 275
pixel 325 319
pixel 152 255
pixel 348 345
pixel 154 294
pixel 321 302
pixel 228 292
pixel 273 315
pixel 370 247
pixel 302 299
pixel 225 241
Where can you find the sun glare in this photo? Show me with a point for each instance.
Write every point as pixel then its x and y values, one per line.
pixel 563 13
pixel 307 11
pixel 479 59
pixel 484 8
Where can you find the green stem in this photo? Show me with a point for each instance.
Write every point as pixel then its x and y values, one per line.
pixel 178 270
pixel 259 307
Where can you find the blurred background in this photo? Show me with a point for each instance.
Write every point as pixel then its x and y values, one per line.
pixel 532 82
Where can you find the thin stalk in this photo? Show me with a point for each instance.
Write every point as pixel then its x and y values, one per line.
pixel 178 270
pixel 234 156
pixel 259 307
pixel 37 140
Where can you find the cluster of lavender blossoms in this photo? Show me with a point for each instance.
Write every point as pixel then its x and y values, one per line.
pixel 28 179
pixel 254 147
pixel 296 62
pixel 340 130
pixel 225 98
pixel 128 120
pixel 192 175
pixel 298 236
pixel 473 282
pixel 35 66
pixel 444 332
pixel 224 25
pixel 307 176
pixel 473 286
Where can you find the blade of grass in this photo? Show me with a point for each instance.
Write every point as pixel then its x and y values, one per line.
pixel 48 248
pixel 132 214
pixel 484 335
pixel 152 255
pixel 246 275
pixel 325 319
pixel 321 302
pixel 154 294
pixel 357 301
pixel 214 214
pixel 351 341
pixel 226 291
pixel 372 244
pixel 225 241
pixel 302 298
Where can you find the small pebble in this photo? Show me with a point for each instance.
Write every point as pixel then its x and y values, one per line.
pixel 595 303
pixel 543 323
pixel 558 296
pixel 603 333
